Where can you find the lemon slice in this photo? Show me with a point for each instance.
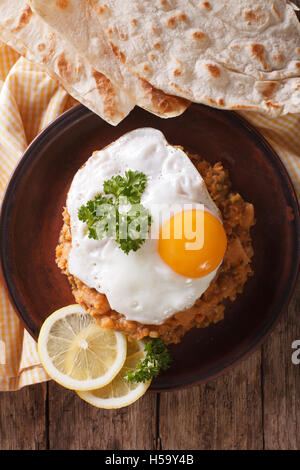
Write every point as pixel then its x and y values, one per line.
pixel 119 392
pixel 77 353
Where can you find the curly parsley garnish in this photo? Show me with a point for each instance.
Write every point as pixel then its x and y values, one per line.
pixel 157 359
pixel 106 217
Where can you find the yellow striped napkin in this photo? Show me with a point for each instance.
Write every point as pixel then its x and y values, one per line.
pixel 29 100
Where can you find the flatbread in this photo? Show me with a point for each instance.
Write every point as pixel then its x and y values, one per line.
pixel 22 29
pixel 77 22
pixel 237 54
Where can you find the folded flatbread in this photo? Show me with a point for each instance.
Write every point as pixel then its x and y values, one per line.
pixel 237 54
pixel 22 29
pixel 77 22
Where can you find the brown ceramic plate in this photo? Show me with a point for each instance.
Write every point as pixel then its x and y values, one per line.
pixel 31 221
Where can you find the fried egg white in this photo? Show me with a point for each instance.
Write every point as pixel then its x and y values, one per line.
pixel 140 285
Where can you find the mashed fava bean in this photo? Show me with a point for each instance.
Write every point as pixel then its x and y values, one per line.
pixel 238 218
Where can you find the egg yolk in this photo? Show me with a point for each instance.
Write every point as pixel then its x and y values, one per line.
pixel 192 243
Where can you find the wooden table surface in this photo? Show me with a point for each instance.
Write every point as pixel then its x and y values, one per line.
pixel 255 406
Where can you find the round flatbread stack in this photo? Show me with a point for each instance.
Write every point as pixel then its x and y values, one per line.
pixel 77 22
pixel 163 54
pixel 31 37
pixel 242 54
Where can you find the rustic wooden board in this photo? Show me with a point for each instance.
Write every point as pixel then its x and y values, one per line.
pixel 223 414
pixel 74 424
pixel 281 382
pixel 23 418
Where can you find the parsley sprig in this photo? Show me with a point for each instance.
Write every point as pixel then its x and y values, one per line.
pixel 157 359
pixel 104 218
pixel 131 186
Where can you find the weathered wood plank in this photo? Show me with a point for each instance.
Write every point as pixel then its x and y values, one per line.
pixel 223 414
pixel 281 382
pixel 22 419
pixel 74 424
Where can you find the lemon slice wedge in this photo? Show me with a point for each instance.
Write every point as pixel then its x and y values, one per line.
pixel 77 353
pixel 119 392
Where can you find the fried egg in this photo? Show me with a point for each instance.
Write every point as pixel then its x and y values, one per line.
pixel 174 266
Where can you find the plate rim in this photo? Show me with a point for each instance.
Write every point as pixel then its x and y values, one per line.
pixel 78 111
